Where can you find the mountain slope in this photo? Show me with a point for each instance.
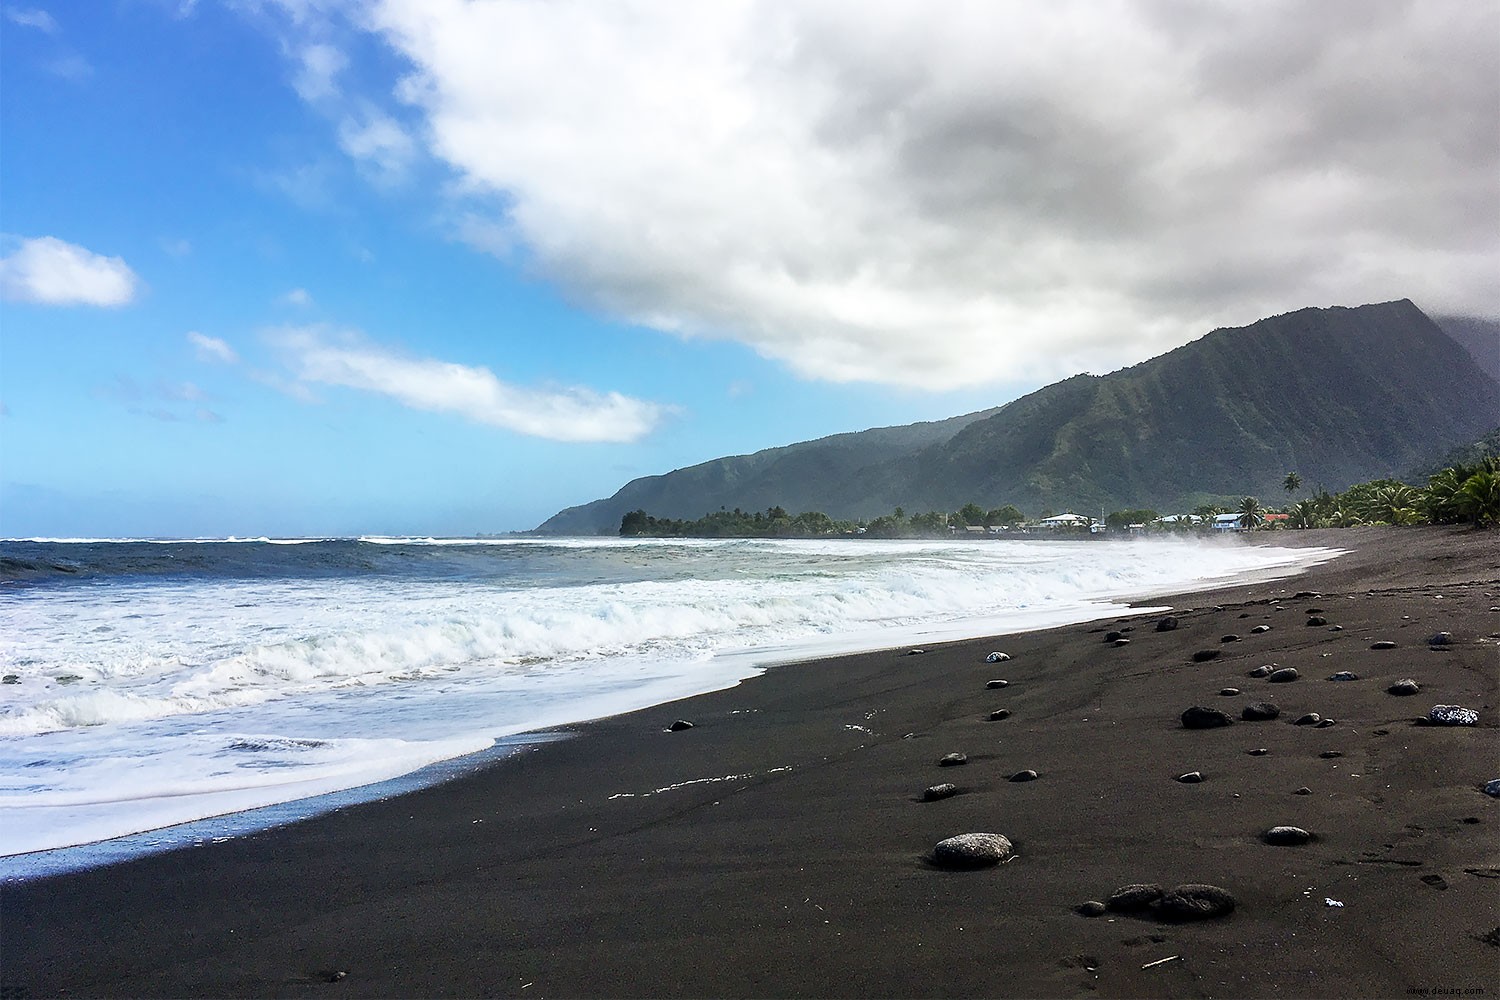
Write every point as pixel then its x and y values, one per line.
pixel 1339 395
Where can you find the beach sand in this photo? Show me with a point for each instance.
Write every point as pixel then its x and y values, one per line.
pixel 780 847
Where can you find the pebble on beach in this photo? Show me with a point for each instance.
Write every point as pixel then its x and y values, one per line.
pixel 1229 692
pixel 1258 752
pixel 972 850
pixel 1286 836
pixel 1264 670
pixel 1092 908
pixel 1229 638
pixel 1204 655
pixel 999 713
pixel 1199 717
pixel 1129 898
pixel 1191 778
pixel 1452 715
pixel 1331 754
pixel 1259 711
pixel 1304 790
pixel 997 658
pixel 1284 675
pixel 1344 675
pixel 1195 902
pixel 1405 686
pixel 1026 775
pixel 995 684
pixel 1310 719
pixel 943 791
pixel 1259 629
pixel 1492 787
pixel 1440 640
pixel 1166 624
pixel 679 726
pixel 1315 621
pixel 953 759
pixel 1110 637
pixel 1383 644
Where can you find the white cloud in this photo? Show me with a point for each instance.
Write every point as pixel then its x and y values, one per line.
pixel 72 67
pixel 48 271
pixel 322 356
pixel 379 143
pixel 992 190
pixel 299 297
pixel 319 65
pixel 31 18
pixel 212 349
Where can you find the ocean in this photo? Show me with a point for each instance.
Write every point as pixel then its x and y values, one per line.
pixel 149 684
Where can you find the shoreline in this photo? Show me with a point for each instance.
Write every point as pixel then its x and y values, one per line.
pixel 777 848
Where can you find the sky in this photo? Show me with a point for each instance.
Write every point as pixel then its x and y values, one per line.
pixel 319 267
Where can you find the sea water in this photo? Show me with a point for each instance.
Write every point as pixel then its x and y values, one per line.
pixel 152 683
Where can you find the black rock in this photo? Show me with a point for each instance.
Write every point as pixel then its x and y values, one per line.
pixel 1112 636
pixel 1315 611
pixel 1325 723
pixel 1129 898
pixel 1229 692
pixel 1331 754
pixel 1258 752
pixel 1303 595
pixel 1284 675
pixel 1286 836
pixel 1229 638
pixel 1191 778
pixel 1260 711
pixel 996 684
pixel 336 977
pixel 1204 655
pixel 1452 715
pixel 1404 686
pixel 679 726
pixel 1264 670
pixel 944 791
pixel 915 652
pixel 1092 908
pixel 1310 719
pixel 1166 624
pixel 1026 775
pixel 972 850
pixel 10 679
pixel 1335 628
pixel 1304 790
pixel 1199 717
pixel 1259 629
pixel 1440 640
pixel 1344 675
pixel 999 713
pixel 1383 644
pixel 953 759
pixel 1195 902
pixel 1316 621
pixel 1120 642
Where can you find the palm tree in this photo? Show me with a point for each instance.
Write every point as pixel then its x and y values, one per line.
pixel 1250 513
pixel 1292 483
pixel 1393 503
pixel 1480 498
pixel 1305 515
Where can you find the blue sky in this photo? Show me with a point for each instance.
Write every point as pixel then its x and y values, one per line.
pixel 299 267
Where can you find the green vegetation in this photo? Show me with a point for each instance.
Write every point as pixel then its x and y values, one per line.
pixel 774 522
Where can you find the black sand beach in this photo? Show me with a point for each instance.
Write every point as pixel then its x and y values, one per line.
pixel 780 847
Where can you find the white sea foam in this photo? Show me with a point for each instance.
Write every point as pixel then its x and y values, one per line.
pixel 387 673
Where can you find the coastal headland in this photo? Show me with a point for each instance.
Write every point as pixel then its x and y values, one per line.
pixel 782 846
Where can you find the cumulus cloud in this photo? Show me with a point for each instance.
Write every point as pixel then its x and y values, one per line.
pixel 299 297
pixel 990 190
pixel 211 349
pixel 341 358
pixel 319 65
pixel 49 271
pixel 379 143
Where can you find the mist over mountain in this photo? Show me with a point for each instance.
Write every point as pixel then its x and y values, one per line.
pixel 1339 395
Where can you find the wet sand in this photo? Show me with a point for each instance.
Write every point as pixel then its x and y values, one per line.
pixel 780 847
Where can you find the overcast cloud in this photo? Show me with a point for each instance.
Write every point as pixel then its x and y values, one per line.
pixel 945 196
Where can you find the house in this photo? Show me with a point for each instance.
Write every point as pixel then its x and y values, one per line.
pixel 1227 522
pixel 1067 521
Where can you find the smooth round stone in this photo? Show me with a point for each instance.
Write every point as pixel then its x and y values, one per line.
pixel 1204 655
pixel 1492 787
pixel 1191 778
pixel 1129 898
pixel 1310 719
pixel 1286 836
pixel 972 850
pixel 1335 628
pixel 1264 670
pixel 915 652
pixel 1325 723
pixel 1229 638
pixel 1092 908
pixel 1260 629
pixel 1229 692
pixel 1452 715
pixel 1120 642
pixel 1166 624
pixel 1344 675
pixel 1404 686
pixel 1284 675
pixel 1110 637
pixel 1304 790
pixel 944 791
pixel 1259 711
pixel 1331 754
pixel 1441 639
pixel 953 759
pixel 1026 775
pixel 997 658
pixel 992 685
pixel 999 713
pixel 679 726
pixel 1383 644
pixel 1316 621
pixel 1258 752
pixel 1195 902
pixel 1199 717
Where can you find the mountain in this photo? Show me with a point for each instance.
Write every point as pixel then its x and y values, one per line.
pixel 1480 337
pixel 1339 395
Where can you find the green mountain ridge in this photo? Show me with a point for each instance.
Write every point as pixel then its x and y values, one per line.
pixel 1340 395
